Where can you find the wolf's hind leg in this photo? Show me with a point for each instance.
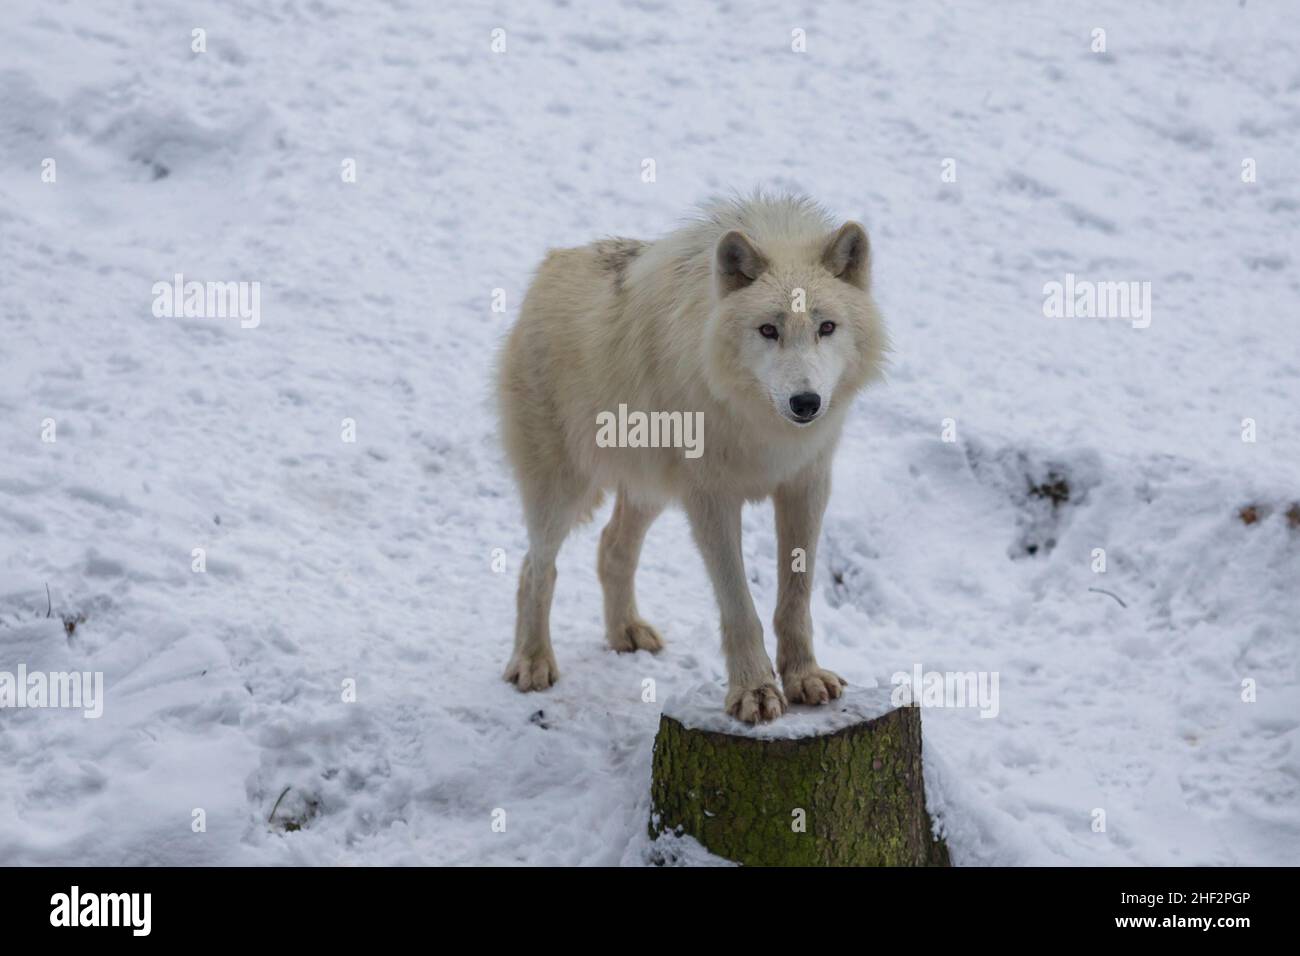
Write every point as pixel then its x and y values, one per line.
pixel 551 509
pixel 620 549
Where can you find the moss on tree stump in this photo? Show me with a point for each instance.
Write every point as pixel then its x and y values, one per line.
pixel 837 785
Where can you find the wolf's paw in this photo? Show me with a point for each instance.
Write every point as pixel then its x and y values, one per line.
pixel 636 636
pixel 756 704
pixel 535 671
pixel 816 685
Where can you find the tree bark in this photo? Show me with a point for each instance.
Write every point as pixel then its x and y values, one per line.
pixel 852 796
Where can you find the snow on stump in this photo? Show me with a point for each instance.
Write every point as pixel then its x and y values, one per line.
pixel 835 785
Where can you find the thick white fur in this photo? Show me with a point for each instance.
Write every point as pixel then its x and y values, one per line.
pixel 673 325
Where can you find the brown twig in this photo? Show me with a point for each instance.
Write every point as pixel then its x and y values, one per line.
pixel 1111 594
pixel 277 803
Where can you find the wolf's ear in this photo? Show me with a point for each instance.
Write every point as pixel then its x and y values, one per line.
pixel 738 262
pixel 848 255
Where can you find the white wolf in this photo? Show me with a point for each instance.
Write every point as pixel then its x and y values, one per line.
pixel 757 314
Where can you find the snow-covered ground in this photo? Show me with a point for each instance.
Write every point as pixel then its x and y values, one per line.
pixel 372 561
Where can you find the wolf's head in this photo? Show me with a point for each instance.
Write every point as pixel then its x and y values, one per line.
pixel 794 331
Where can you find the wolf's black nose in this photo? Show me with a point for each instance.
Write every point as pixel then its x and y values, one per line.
pixel 805 405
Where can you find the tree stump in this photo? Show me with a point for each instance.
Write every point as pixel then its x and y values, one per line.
pixel 835 785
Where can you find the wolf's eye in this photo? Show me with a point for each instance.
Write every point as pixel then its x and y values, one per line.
pixel 826 328
pixel 768 331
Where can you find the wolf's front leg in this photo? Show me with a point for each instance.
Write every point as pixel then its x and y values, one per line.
pixel 799 508
pixel 752 693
